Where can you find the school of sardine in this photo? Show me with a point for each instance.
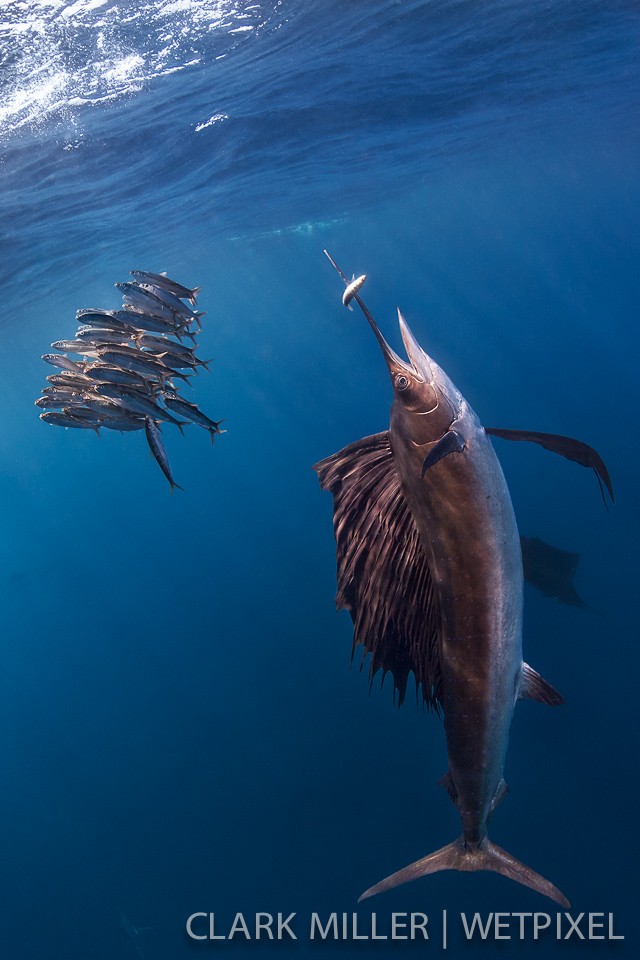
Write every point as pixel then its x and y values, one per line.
pixel 129 362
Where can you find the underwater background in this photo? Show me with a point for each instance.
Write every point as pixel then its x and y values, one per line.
pixel 180 730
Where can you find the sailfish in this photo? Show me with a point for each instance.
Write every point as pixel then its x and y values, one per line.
pixel 430 569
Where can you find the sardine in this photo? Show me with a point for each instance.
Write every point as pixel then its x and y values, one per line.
pixel 105 406
pixel 143 321
pixel 58 400
pixel 143 299
pixel 160 344
pixel 108 373
pixel 157 449
pixel 64 391
pixel 131 359
pixel 180 362
pixel 124 425
pixel 64 363
pixel 352 289
pixel 137 402
pixel 86 348
pixel 58 419
pixel 191 412
pixel 179 308
pixel 103 335
pixel 69 379
pixel 112 319
pixel 94 412
pixel 164 283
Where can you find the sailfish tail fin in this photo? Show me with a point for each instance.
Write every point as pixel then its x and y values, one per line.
pixel 457 856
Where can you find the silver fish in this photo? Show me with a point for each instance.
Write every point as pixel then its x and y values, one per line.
pixel 57 400
pixel 103 335
pixel 64 363
pixel 157 449
pixel 180 361
pixel 160 344
pixel 131 399
pixel 94 412
pixel 168 300
pixel 143 299
pixel 163 282
pixel 65 390
pixel 58 419
pixel 352 289
pixel 191 412
pixel 108 373
pixel 124 425
pixel 69 379
pixel 143 321
pixel 85 348
pixel 131 359
pixel 104 406
pixel 112 319
pixel 179 308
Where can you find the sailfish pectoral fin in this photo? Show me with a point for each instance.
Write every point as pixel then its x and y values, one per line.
pixel 459 856
pixel 567 447
pixel 452 442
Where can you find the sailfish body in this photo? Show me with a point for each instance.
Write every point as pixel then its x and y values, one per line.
pixel 467 527
pixel 430 568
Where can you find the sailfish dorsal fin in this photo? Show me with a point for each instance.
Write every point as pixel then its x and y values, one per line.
pixel 383 575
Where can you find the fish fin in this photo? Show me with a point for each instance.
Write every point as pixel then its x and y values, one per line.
pixel 551 570
pixel 175 486
pixel 349 307
pixel 452 442
pixel 535 687
pixel 450 787
pixel 567 447
pixel 459 856
pixel 501 791
pixel 383 575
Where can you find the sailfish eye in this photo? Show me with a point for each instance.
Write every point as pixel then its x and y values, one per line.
pixel 402 382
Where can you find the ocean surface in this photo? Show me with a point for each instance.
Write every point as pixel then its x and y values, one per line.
pixel 180 729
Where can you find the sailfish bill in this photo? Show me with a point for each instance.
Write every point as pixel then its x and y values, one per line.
pixel 430 569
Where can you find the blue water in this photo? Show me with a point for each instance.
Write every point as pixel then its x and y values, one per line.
pixel 179 727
